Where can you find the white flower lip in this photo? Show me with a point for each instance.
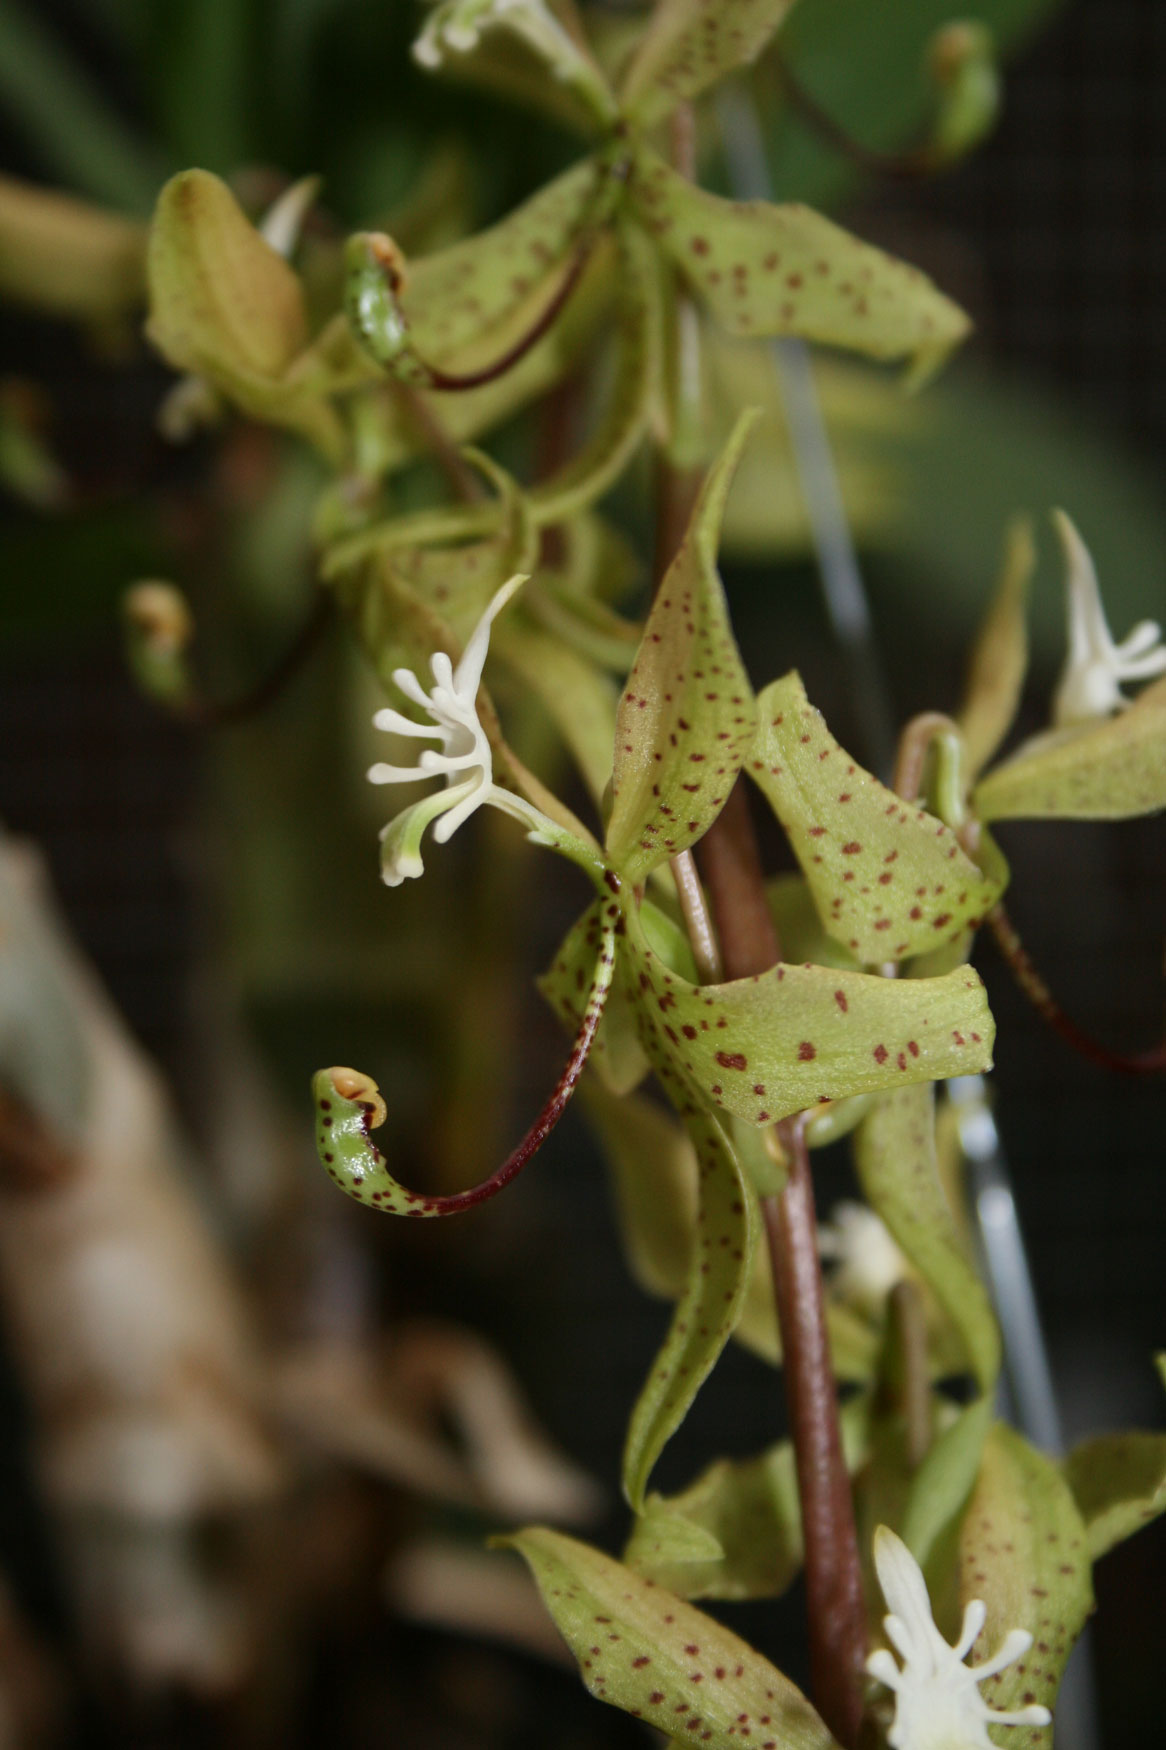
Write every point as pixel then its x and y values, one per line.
pixel 463 759
pixel 1090 685
pixel 457 26
pixel 938 1705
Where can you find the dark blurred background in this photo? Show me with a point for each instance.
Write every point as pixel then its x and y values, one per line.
pixel 1054 235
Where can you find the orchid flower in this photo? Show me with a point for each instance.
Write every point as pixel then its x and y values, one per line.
pixel 457 27
pixel 1090 684
pixel 464 758
pixel 938 1705
pixel 868 1263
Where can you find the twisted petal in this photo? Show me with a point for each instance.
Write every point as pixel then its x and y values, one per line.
pixel 468 676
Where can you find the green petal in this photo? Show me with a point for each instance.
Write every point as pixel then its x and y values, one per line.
pixel 1000 655
pixel 796 1036
pixel 1023 1550
pixel 643 1650
pixel 889 880
pixel 899 1172
pixel 736 1532
pixel 687 716
pixel 226 306
pixel 1119 1485
pixel 769 270
pixel 707 1311
pixel 1111 770
pixel 689 45
pixel 467 303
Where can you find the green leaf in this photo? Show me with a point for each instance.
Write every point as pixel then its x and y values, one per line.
pixel 899 1172
pixel 1110 770
pixel 617 1057
pixel 707 1311
pixel 633 375
pixel 769 270
pixel 1119 1485
pixel 1024 1551
pixel 466 304
pixel 689 45
pixel 888 878
pixel 645 1651
pixel 999 658
pixel 226 306
pixel 796 1036
pixel 686 717
pixel 67 258
pixel 736 1532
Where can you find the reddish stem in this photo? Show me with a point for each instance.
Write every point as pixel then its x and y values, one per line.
pixel 205 714
pixel 460 380
pixel 749 944
pixel 907 166
pixel 456 1201
pixel 833 1582
pixel 1019 960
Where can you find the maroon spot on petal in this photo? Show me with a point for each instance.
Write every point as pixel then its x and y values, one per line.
pixel 807 1052
pixel 840 999
pixel 880 1054
pixel 732 1060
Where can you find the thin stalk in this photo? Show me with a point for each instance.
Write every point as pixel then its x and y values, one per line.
pixel 206 714
pixel 731 866
pixel 837 1621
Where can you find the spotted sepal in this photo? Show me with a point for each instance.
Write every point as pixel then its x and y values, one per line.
pixel 687 716
pixel 797 1036
pixel 769 270
pixel 719 1271
pixel 889 880
pixel 644 1650
pixel 1024 1551
pixel 689 45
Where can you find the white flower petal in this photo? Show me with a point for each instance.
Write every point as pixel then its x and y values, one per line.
pixel 1090 684
pixel 938 1705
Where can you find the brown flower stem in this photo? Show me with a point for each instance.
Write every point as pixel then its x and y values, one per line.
pixel 909 166
pixel 207 714
pixel 837 1623
pixel 833 1582
pixel 1020 963
pixel 463 480
pixel 734 882
pixel 909 1323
